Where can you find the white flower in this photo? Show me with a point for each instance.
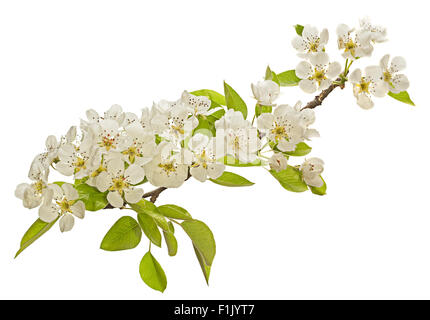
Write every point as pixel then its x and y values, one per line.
pixel 197 105
pixel 366 85
pixel 311 170
pixel 394 82
pixel 31 194
pixel 377 33
pixel 168 168
pixel 62 202
pixel 120 182
pixel 236 135
pixel 106 134
pixel 288 126
pixel 265 92
pixel 354 46
pixel 78 160
pixel 311 41
pixel 278 162
pixel 138 145
pixel 318 74
pixel 205 155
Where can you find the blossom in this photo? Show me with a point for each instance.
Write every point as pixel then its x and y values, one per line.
pixel 366 85
pixel 106 134
pixel 78 160
pixel 288 126
pixel 265 92
pixel 278 162
pixel 237 136
pixel 169 167
pixel 377 33
pixel 119 182
pixel 31 194
pixel 205 155
pixel 197 105
pixel 354 46
pixel 318 74
pixel 62 202
pixel 393 81
pixel 310 41
pixel 311 171
pixel 114 113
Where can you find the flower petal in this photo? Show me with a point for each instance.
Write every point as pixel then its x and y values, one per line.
pixel 48 213
pixel 133 195
pixel 304 70
pixel 78 209
pixel 308 86
pixel 69 192
pixel 115 199
pixel 103 181
pixel 66 223
pixel 134 174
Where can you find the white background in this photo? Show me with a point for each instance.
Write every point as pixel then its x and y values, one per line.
pixel 368 238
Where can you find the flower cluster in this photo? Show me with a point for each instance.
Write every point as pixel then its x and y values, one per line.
pixel 110 156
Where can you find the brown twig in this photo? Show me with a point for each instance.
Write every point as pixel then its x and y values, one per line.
pixel 317 101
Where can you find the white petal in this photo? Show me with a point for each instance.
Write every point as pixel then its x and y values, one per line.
pixel 374 72
pixel 380 89
pixel 304 70
pixel 103 181
pixel 199 173
pixel 397 64
pixel 134 174
pixel 299 44
pixel 308 86
pixel 333 70
pixel 383 63
pixel 69 192
pixel 133 195
pixel 315 181
pixel 20 189
pixel 115 167
pixel 215 170
pixel 364 101
pixel 324 37
pixel 325 84
pixel 319 59
pixel 48 213
pixel 58 193
pixel 265 121
pixel 355 76
pixel 310 33
pixel 115 199
pixel 400 83
pixel 66 223
pixel 78 209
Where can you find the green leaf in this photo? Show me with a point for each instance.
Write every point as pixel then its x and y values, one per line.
pixel 259 109
pixel 234 101
pixel 212 95
pixel 288 79
pixel 152 273
pixel 301 150
pixel 402 97
pixel 174 212
pixel 230 179
pixel 205 268
pixel 36 230
pixel 290 179
pixel 93 199
pixel 172 244
pixel 233 162
pixel 205 127
pixel 270 75
pixel 202 238
pixel 321 190
pixel 216 115
pixel 299 29
pixel 149 228
pixel 124 234
pixel 147 207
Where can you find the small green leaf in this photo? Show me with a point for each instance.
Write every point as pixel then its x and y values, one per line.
pixel 205 268
pixel 402 97
pixel 202 238
pixel 205 127
pixel 172 244
pixel 270 75
pixel 234 101
pixel 216 115
pixel 152 273
pixel 299 29
pixel 290 179
pixel 288 79
pixel 259 109
pixel 147 207
pixel 212 95
pixel 36 230
pixel 124 234
pixel 230 179
pixel 174 212
pixel 233 162
pixel 321 190
pixel 149 228
pixel 93 199
pixel 301 150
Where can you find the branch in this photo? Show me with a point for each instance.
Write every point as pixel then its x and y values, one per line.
pixel 154 194
pixel 320 98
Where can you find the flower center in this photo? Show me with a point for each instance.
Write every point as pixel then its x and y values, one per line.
pixel 364 86
pixel 168 167
pixel 98 171
pixel 132 153
pixel 107 142
pixel 38 187
pixel 119 184
pixel 387 76
pixel 313 45
pixel 65 205
pixel 178 128
pixel 279 132
pixel 319 75
pixel 79 164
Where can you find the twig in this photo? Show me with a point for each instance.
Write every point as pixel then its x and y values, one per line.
pixel 320 98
